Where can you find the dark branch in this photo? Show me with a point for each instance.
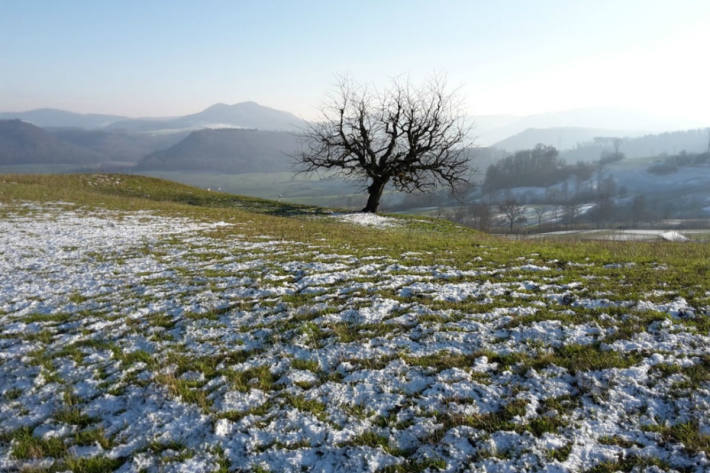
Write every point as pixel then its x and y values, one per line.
pixel 412 138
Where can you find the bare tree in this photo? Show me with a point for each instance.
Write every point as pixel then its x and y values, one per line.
pixel 604 199
pixel 638 209
pixel 481 216
pixel 540 213
pixel 412 138
pixel 512 210
pixel 571 210
pixel 604 209
pixel 616 142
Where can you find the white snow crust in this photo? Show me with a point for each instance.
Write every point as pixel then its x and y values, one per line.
pixel 367 219
pixel 189 350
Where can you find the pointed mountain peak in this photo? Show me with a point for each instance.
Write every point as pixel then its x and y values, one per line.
pixel 217 106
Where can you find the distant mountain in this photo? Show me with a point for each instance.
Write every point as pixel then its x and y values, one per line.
pixel 691 141
pixel 588 144
pixel 118 146
pixel 490 129
pixel 227 150
pixel 241 115
pixel 561 138
pixel 49 117
pixel 24 143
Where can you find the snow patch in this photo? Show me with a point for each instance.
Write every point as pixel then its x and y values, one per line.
pixel 368 219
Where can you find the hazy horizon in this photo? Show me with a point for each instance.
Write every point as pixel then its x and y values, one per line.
pixel 151 59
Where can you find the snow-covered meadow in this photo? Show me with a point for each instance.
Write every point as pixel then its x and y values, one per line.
pixel 133 341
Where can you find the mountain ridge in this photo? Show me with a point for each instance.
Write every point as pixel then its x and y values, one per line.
pixel 562 138
pixel 226 150
pixel 219 115
pixel 248 114
pixel 49 117
pixel 24 143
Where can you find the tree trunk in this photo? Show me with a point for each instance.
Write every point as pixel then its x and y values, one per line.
pixel 375 189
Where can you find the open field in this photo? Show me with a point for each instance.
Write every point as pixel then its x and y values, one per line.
pixel 150 326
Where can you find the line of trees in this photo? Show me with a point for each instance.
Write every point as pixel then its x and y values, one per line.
pixel 537 167
pixel 671 164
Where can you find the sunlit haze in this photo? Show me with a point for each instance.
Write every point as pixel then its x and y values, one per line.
pixel 149 58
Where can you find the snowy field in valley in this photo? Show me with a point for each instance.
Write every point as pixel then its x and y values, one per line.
pixel 628 235
pixel 151 343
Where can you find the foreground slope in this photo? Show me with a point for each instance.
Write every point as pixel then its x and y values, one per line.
pixel 148 326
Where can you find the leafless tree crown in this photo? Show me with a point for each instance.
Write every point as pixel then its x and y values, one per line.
pixel 512 211
pixel 412 138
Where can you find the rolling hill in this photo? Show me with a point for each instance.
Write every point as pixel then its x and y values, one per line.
pixel 50 117
pixel 562 138
pixel 116 145
pixel 24 143
pixel 691 141
pixel 581 144
pixel 226 150
pixel 618 121
pixel 240 115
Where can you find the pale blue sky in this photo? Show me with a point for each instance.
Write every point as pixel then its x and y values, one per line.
pixel 514 57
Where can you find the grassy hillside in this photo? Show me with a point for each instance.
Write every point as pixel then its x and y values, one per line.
pixel 150 325
pixel 128 192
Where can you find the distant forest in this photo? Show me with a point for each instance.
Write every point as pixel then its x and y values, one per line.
pixel 671 164
pixel 537 167
pixel 669 143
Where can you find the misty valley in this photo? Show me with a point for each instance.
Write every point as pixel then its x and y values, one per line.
pixel 585 182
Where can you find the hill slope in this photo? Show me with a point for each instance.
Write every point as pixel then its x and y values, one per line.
pixel 674 142
pixel 50 117
pixel 228 150
pixel 561 138
pixel 619 121
pixel 117 145
pixel 580 144
pixel 240 115
pixel 23 143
